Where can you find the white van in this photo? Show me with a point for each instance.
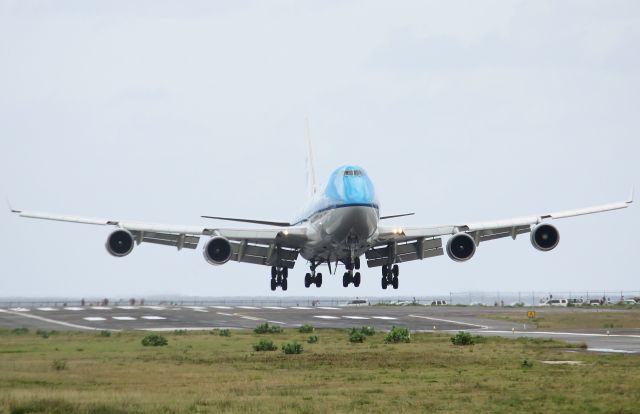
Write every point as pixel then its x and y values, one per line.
pixel 556 302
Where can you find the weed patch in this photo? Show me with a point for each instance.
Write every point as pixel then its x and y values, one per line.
pixel 154 340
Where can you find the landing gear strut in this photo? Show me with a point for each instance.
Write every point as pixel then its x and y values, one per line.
pixel 279 277
pixel 349 276
pixel 313 278
pixel 390 276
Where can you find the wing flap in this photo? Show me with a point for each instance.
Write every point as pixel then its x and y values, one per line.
pixel 404 252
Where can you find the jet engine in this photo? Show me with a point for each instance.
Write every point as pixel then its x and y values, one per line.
pixel 217 251
pixel 545 237
pixel 119 243
pixel 461 247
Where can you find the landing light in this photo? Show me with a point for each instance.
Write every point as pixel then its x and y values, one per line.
pixel 286 232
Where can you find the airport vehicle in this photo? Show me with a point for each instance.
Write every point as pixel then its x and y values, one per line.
pixel 555 302
pixel 575 301
pixel 593 302
pixel 339 226
pixel 439 302
pixel 356 302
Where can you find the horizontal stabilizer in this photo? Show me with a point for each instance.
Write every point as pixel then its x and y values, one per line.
pixel 396 215
pixel 267 223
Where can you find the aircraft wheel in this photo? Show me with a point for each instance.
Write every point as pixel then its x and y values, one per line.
pixel 394 282
pixel 384 283
pixel 396 270
pixel 307 280
pixel 356 279
pixel 284 284
pixel 274 271
pixel 285 272
pixel 357 263
pixel 273 284
pixel 385 271
pixel 345 280
pixel 319 280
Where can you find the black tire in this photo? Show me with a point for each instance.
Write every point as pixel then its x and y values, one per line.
pixel 319 280
pixel 285 272
pixel 357 263
pixel 284 284
pixel 396 270
pixel 385 271
pixel 384 283
pixel 394 282
pixel 356 279
pixel 279 280
pixel 273 283
pixel 345 280
pixel 307 280
pixel 274 271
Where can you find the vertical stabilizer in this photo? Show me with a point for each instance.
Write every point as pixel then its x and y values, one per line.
pixel 311 169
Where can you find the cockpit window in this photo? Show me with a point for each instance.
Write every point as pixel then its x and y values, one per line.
pixel 353 172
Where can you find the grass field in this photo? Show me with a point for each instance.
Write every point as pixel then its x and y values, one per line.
pixel 84 372
pixel 573 318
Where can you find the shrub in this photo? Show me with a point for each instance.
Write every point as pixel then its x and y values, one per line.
pixel 526 363
pixel 305 329
pixel 397 335
pixel 368 330
pixel 265 345
pixel 312 339
pixel 154 340
pixel 105 334
pixel 356 336
pixel 294 348
pixel 20 331
pixel 180 332
pixel 266 328
pixel 462 338
pixel 224 332
pixel 59 364
pixel 43 333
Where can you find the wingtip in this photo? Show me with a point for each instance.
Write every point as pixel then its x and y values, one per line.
pixel 631 194
pixel 11 209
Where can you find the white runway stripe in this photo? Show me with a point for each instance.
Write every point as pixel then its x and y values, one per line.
pixel 127 307
pixel 275 307
pixel 356 317
pixel 153 318
pixel 19 309
pixel 327 308
pixel 73 308
pixel 101 308
pixel 222 307
pixel 155 307
pixel 300 307
pixel 47 309
pixel 247 307
pixel 326 317
pixel 94 318
pixel 384 318
pixel 124 318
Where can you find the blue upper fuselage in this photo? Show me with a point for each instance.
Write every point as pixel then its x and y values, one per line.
pixel 349 185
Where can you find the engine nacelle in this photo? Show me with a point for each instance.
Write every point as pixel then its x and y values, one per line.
pixel 545 237
pixel 120 243
pixel 217 251
pixel 461 247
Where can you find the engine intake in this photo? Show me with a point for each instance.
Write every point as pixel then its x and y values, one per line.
pixel 545 237
pixel 119 243
pixel 217 251
pixel 461 247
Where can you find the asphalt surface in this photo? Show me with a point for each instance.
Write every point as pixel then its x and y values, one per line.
pixel 416 318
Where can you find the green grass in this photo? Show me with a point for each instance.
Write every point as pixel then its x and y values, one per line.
pixel 200 373
pixel 572 318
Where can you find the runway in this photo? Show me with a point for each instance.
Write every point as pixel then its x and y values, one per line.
pixel 416 318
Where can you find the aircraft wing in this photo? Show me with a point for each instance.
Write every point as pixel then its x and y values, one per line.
pixel 264 246
pixel 412 243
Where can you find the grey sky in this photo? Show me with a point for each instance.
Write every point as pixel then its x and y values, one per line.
pixel 460 111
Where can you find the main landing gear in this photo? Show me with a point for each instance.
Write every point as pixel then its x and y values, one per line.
pixel 349 276
pixel 313 278
pixel 279 277
pixel 390 276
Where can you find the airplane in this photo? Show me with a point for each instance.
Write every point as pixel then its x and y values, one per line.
pixel 338 226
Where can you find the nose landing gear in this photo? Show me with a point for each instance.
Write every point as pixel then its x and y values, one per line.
pixel 313 278
pixel 349 276
pixel 390 276
pixel 279 277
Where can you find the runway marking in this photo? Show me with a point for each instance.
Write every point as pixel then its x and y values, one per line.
pixel 450 321
pixel 326 317
pixel 279 323
pixel 124 318
pixel 275 307
pixel 251 318
pixel 94 318
pixel 153 318
pixel 247 307
pixel 300 307
pixel 356 317
pixel 155 307
pixel 101 308
pixel 224 314
pixel 384 318
pixel 327 308
pixel 222 307
pixel 190 328
pixel 47 309
pixel 564 333
pixel 19 309
pixel 608 350
pixel 200 310
pixel 69 325
pixel 128 307
pixel 74 308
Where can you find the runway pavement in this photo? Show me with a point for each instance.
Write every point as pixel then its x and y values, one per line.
pixel 416 318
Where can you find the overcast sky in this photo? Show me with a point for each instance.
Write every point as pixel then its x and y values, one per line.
pixel 460 111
